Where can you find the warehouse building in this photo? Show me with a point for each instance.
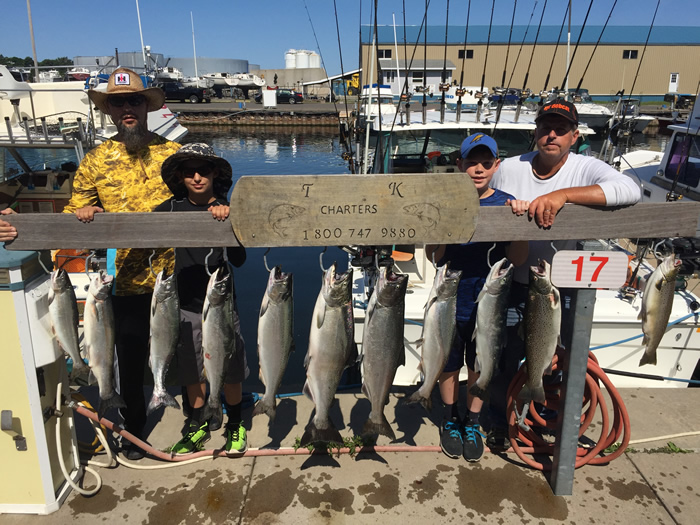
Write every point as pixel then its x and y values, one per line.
pixel 537 60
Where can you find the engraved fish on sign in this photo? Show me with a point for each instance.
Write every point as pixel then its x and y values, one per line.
pixel 428 214
pixel 281 215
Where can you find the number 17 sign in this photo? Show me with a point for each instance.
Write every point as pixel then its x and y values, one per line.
pixel 580 269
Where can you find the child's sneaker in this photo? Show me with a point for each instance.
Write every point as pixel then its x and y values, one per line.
pixel 192 441
pixel 473 442
pixel 451 438
pixel 236 440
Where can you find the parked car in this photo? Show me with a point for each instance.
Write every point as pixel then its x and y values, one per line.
pixel 284 95
pixel 178 91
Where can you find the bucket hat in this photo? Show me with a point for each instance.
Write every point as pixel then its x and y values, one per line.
pixel 126 82
pixel 196 151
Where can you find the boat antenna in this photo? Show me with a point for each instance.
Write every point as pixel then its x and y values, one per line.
pixel 194 50
pixel 578 41
pixel 551 65
pixel 461 92
pixel 444 85
pixel 486 61
pixel 578 87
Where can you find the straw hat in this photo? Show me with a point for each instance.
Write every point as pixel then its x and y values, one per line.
pixel 196 151
pixel 125 82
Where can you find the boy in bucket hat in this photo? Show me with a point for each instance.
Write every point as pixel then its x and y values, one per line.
pixel 200 181
pixel 462 437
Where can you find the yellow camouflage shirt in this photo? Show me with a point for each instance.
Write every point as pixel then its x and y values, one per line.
pixel 122 182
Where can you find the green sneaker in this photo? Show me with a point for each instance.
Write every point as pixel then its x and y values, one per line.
pixel 192 441
pixel 236 441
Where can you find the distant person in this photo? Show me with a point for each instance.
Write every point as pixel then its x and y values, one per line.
pixel 545 180
pixel 200 181
pixel 462 437
pixel 123 175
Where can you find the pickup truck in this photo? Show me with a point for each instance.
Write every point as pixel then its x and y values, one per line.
pixel 177 91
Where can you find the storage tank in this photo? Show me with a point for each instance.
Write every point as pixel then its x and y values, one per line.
pixel 314 60
pixel 290 59
pixel 302 59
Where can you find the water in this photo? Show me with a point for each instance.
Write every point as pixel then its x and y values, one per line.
pixel 280 151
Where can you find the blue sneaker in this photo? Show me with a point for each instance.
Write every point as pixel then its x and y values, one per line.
pixel 473 442
pixel 451 438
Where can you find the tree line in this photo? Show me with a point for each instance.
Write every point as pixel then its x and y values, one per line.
pixel 28 62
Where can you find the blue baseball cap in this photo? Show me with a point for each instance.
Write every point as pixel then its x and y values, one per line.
pixel 476 140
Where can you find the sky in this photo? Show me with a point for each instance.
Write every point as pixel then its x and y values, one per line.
pixel 262 31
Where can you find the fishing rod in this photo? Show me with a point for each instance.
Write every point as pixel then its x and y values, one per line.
pixel 578 41
pixel 480 94
pixel 510 35
pixel 578 87
pixel 347 139
pixel 556 47
pixel 461 91
pixel 526 93
pixel 444 86
pixel 404 91
pixel 425 65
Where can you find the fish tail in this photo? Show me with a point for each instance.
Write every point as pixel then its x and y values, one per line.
pixel 648 359
pixel 214 414
pixel 418 397
pixel 313 434
pixel 263 407
pixel 372 428
pixel 115 401
pixel 77 369
pixel 477 391
pixel 160 399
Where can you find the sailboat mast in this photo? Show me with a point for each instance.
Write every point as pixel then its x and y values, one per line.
pixel 194 50
pixel 568 51
pixel 143 49
pixel 31 34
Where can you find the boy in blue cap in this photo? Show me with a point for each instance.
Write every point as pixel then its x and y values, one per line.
pixel 479 159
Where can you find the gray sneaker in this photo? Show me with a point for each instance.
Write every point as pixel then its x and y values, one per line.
pixel 451 438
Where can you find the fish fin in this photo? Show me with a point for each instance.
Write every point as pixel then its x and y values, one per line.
pixel 77 370
pixel 548 370
pixel 213 411
pixel 104 405
pixel 524 395
pixel 154 307
pixel 320 317
pixel 205 311
pixel 477 391
pixel 161 399
pixel 419 342
pixel 307 391
pixel 647 359
pixel 482 293
pixel 417 397
pixel 659 284
pixel 476 327
pixel 556 297
pixel 266 408
pixel 477 363
pixel 264 305
pixel 371 428
pixel 312 434
pixel 365 390
pixel 307 359
pixel 535 394
pixel 92 379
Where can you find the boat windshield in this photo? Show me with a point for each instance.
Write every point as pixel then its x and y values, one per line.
pixel 15 161
pixel 684 161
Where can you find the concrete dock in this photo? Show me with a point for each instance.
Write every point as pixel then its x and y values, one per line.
pixel 644 485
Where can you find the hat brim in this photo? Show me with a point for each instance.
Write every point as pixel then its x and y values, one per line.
pixel 171 165
pixel 155 97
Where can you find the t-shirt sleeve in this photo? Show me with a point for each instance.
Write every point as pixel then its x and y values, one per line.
pixel 619 189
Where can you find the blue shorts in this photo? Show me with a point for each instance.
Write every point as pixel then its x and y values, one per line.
pixel 463 348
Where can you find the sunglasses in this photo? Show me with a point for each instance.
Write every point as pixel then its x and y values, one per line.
pixel 132 100
pixel 203 170
pixel 486 164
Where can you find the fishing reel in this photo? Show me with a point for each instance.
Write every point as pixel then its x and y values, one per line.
pixel 444 87
pixel 370 257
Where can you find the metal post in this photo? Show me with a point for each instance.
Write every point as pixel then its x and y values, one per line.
pixel 9 130
pixel 45 129
pixel 577 319
pixel 26 130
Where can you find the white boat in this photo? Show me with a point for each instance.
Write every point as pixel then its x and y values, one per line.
pixel 433 146
pixel 199 82
pixel 52 75
pixel 221 80
pixel 78 73
pixel 169 74
pixel 248 81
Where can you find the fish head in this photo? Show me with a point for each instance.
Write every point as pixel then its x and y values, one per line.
pixel 446 282
pixel 101 285
pixel 166 285
pixel 500 277
pixel 279 285
pixel 60 280
pixel 337 288
pixel 540 282
pixel 670 267
pixel 391 287
pixel 220 285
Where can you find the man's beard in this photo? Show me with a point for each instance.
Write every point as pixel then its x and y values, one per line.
pixel 132 136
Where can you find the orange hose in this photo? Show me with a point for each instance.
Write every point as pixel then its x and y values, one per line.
pixel 593 399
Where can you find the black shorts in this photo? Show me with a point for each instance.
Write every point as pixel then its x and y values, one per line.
pixel 463 348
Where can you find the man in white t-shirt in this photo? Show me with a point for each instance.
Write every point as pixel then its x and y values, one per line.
pixel 543 181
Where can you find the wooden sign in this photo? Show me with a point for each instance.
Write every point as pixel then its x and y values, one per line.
pixel 322 210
